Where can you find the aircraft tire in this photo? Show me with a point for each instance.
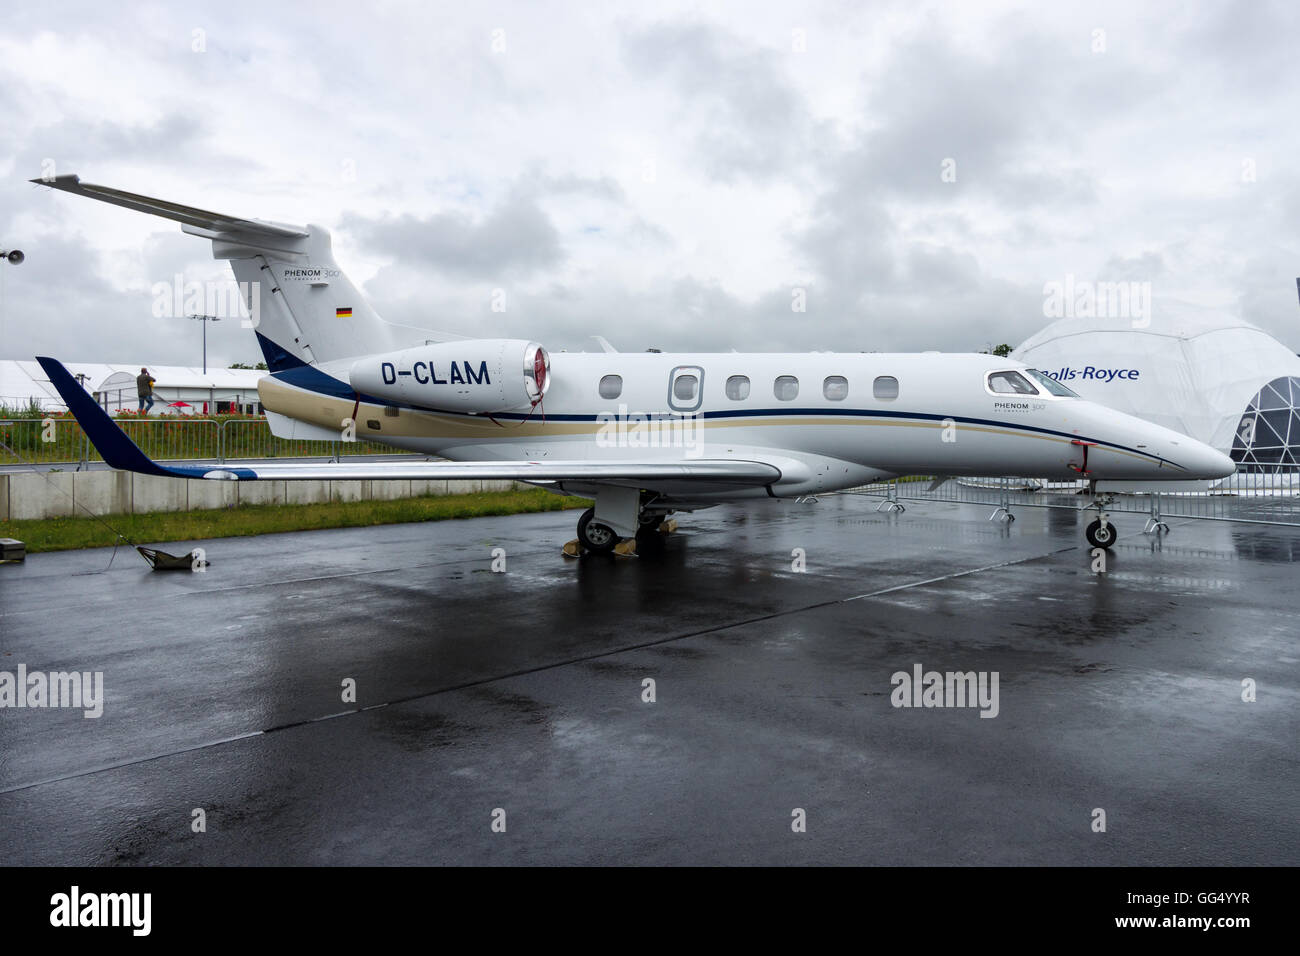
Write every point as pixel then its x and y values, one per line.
pixel 1099 538
pixel 594 536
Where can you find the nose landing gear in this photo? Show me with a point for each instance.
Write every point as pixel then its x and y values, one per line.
pixel 1101 533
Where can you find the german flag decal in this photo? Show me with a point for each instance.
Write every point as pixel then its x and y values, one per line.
pixel 343 313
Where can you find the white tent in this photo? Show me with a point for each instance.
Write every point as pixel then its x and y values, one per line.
pixel 218 389
pixel 1204 373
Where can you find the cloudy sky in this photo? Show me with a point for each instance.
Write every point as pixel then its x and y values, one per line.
pixel 662 174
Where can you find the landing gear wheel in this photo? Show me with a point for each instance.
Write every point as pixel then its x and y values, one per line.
pixel 1099 536
pixel 651 522
pixel 597 537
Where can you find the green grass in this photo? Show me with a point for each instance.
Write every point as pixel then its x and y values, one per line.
pixel 61 534
pixel 32 409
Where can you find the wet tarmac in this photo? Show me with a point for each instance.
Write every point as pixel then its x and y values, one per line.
pixel 515 701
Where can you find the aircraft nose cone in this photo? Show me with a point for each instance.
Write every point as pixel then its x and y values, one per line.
pixel 1206 462
pixel 1221 466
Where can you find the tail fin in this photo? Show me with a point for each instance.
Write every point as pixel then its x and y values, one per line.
pixel 304 309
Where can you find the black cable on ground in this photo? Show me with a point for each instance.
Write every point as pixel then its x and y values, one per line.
pixel 120 536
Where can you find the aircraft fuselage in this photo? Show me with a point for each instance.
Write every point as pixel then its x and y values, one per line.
pixel 837 419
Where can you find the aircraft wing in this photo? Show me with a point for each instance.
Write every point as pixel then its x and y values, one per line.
pixel 201 221
pixel 120 452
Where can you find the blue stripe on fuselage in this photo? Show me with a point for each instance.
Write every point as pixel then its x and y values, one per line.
pixel 313 379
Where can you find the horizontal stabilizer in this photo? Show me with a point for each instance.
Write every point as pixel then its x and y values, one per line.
pixel 213 222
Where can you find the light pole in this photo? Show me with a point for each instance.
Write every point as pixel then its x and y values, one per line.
pixel 205 319
pixel 14 257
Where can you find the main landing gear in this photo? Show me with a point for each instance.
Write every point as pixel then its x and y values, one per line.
pixel 600 538
pixel 594 536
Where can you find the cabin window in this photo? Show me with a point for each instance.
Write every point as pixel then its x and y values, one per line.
pixel 685 388
pixel 1010 383
pixel 786 388
pixel 835 388
pixel 611 386
pixel 738 388
pixel 885 388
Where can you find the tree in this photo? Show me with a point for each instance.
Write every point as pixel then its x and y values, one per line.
pixel 259 367
pixel 1002 350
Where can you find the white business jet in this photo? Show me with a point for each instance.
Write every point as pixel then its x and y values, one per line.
pixel 643 434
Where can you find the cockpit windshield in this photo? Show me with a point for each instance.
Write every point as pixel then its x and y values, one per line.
pixel 1010 383
pixel 1051 384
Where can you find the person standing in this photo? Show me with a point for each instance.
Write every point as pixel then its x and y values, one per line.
pixel 144 383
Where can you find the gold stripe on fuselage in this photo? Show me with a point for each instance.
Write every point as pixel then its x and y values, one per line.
pixel 329 412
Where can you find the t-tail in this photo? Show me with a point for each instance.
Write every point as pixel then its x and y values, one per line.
pixel 304 310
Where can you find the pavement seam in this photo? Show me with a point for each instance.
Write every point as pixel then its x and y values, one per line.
pixel 553 665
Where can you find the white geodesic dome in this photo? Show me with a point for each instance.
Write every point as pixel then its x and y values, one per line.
pixel 1207 374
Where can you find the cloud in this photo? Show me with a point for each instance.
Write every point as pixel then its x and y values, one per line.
pixel 663 177
pixel 59 303
pixel 747 118
pixel 515 238
pixel 1146 267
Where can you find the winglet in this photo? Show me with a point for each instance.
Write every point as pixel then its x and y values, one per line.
pixel 110 441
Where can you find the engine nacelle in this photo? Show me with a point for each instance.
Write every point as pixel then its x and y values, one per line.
pixel 479 376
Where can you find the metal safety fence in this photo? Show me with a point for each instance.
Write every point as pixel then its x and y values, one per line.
pixel 1263 495
pixel 1267 494
pixel 252 438
pixel 60 441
